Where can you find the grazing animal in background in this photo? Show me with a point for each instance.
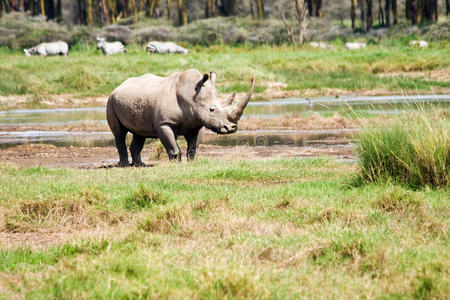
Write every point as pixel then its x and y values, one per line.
pixel 320 45
pixel 110 48
pixel 165 48
pixel 419 44
pixel 355 46
pixel 48 49
pixel 150 106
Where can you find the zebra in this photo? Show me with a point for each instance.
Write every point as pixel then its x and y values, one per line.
pixel 165 47
pixel 47 49
pixel 355 46
pixel 110 48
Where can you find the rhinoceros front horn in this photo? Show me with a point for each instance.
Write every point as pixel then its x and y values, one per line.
pixel 236 114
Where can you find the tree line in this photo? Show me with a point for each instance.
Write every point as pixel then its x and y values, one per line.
pixel 101 12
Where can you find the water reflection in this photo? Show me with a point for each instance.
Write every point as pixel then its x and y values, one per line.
pixel 270 109
pixel 294 138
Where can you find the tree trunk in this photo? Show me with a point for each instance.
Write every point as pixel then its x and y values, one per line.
pixel 301 10
pixel 151 7
pixel 362 7
pixel 388 13
pixel 112 6
pixel 50 9
pixel 380 14
pixel 369 14
pixel 42 8
pixel 134 8
pixel 106 12
pixel 22 5
pixel 228 7
pixel 427 11
pixel 207 9
pixel 353 13
pixel 89 13
pixel 411 11
pixel 58 11
pixel 182 12
pixel 260 8
pixel 169 10
pixel 447 8
pixel 394 11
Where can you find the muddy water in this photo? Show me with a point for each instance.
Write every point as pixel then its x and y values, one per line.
pixel 293 138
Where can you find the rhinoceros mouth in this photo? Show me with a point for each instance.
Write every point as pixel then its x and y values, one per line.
pixel 226 129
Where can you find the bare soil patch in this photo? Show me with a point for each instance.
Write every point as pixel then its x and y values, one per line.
pixel 39 240
pixel 101 157
pixel 437 75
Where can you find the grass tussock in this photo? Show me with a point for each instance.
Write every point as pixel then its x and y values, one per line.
pixel 142 197
pixel 398 200
pixel 59 213
pixel 413 149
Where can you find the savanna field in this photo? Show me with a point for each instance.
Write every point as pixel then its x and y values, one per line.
pixel 233 224
pixel 392 68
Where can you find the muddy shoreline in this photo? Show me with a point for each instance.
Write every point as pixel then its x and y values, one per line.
pixel 32 155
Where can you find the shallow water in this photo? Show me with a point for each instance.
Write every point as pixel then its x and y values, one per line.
pixel 270 109
pixel 297 138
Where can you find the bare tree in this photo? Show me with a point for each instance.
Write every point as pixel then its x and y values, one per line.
pixel 297 19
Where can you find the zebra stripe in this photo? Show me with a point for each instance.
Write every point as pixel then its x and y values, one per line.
pixel 47 49
pixel 110 48
pixel 165 47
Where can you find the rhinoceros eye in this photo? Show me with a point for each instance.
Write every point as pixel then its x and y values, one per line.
pixel 211 109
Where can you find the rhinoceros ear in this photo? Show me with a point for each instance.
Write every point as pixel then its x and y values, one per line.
pixel 213 76
pixel 200 84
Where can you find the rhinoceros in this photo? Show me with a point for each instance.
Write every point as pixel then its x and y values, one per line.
pixel 181 104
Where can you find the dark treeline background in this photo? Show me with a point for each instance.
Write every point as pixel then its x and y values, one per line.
pixel 364 14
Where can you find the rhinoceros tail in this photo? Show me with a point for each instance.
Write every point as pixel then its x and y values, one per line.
pixel 111 117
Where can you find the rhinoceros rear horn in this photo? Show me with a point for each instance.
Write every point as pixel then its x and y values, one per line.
pixel 200 84
pixel 236 114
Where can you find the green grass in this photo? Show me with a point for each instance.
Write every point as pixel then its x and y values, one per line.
pixel 412 148
pixel 88 73
pixel 280 228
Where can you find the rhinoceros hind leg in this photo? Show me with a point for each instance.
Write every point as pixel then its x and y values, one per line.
pixel 120 133
pixel 135 148
pixel 169 140
pixel 122 148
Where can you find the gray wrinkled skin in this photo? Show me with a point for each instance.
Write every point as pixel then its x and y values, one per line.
pixel 150 106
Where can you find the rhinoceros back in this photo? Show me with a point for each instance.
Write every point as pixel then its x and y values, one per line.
pixel 139 102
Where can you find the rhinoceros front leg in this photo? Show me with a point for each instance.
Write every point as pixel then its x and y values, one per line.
pixel 192 143
pixel 169 140
pixel 135 149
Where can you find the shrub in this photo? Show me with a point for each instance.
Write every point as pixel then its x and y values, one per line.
pixel 154 33
pixel 412 148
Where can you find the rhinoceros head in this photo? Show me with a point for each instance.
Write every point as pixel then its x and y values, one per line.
pixel 216 114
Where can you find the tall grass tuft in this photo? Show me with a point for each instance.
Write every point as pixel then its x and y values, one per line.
pixel 412 149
